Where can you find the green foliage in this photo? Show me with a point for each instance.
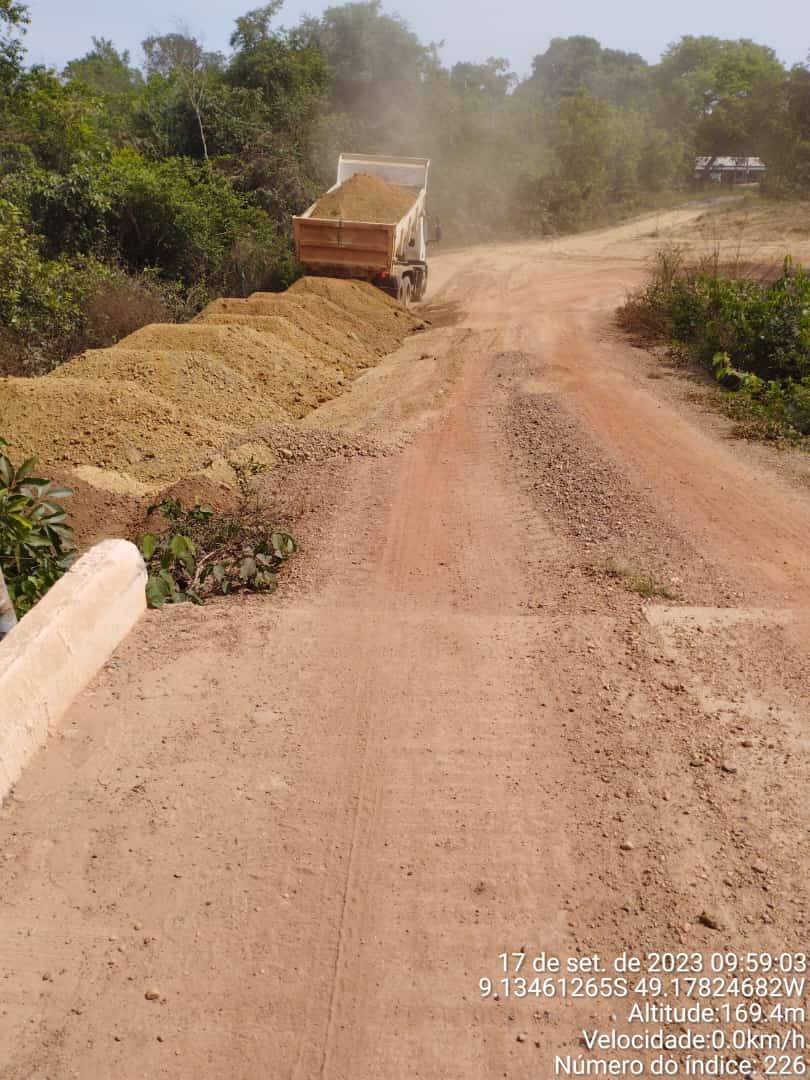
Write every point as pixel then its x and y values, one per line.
pixel 377 66
pixel 188 171
pixel 202 553
pixel 125 214
pixel 190 222
pixel 253 29
pixel 183 64
pixel 579 64
pixel 105 70
pixel 36 543
pixel 68 209
pixel 51 308
pixel 53 124
pixel 763 328
pixel 38 296
pixel 721 91
pixel 13 17
pixel 754 336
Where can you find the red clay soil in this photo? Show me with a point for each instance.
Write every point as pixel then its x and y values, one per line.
pixel 537 682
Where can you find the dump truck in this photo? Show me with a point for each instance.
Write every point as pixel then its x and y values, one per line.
pixel 393 255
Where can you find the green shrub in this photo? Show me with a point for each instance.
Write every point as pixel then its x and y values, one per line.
pixel 36 543
pixel 51 309
pixel 187 219
pixel 763 327
pixel 38 296
pixel 754 336
pixel 774 410
pixel 203 553
pixel 112 242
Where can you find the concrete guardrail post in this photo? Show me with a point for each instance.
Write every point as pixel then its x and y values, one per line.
pixel 54 651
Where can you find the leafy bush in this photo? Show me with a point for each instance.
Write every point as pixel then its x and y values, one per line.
pixel 51 309
pixel 36 543
pixel 774 410
pixel 37 296
pixel 202 553
pixel 187 219
pixel 114 241
pixel 753 335
pixel 763 327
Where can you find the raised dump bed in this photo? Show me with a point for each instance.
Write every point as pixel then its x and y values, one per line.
pixel 370 225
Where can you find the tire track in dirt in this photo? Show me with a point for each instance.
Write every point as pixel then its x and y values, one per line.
pixel 436 566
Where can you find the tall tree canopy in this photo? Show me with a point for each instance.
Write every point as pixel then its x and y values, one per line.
pixel 721 92
pixel 14 18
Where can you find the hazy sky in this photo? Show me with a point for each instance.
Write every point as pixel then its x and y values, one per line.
pixel 517 29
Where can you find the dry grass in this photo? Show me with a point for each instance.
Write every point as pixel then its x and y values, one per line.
pixel 644 584
pixel 119 309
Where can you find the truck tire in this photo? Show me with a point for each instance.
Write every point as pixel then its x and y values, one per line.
pixel 421 287
pixel 405 292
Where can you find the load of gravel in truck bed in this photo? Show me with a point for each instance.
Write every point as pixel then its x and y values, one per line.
pixel 366 198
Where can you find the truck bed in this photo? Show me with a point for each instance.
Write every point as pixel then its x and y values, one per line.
pixel 362 248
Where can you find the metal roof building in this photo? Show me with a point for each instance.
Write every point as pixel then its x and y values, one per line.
pixel 729 170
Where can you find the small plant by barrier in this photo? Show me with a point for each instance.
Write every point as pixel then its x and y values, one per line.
pixel 36 543
pixel 202 553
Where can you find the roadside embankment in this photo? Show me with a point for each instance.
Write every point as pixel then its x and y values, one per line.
pixel 170 400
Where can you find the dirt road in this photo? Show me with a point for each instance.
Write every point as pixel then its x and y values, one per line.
pixel 539 681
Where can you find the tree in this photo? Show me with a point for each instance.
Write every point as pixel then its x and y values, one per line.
pixel 290 74
pixel 254 28
pixel 109 74
pixel 51 123
pixel 492 79
pixel 785 134
pixel 573 64
pixel 182 58
pixel 798 105
pixel 378 67
pixel 581 138
pixel 277 83
pixel 13 17
pixel 105 69
pixel 722 91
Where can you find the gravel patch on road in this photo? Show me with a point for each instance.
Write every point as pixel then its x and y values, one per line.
pixel 623 530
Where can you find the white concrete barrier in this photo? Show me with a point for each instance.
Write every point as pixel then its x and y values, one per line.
pixel 60 645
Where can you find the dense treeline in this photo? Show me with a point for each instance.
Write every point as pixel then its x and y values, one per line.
pixel 133 192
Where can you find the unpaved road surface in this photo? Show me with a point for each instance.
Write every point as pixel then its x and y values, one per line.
pixel 307 825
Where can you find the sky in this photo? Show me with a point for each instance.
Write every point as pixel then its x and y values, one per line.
pixel 517 29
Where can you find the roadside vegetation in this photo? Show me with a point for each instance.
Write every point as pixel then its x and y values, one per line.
pixel 138 189
pixel 193 552
pixel 36 543
pixel 199 552
pixel 751 333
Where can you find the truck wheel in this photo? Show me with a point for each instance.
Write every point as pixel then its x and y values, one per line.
pixel 405 292
pixel 421 289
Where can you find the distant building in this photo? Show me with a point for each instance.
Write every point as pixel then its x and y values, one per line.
pixel 729 170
